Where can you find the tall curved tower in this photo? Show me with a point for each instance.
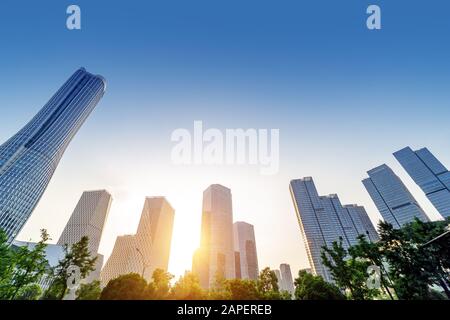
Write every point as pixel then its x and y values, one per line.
pixel 29 159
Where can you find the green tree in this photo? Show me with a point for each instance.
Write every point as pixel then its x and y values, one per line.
pixel 310 287
pixel 5 257
pixel 30 292
pixel 26 266
pixel 6 266
pixel 417 259
pixel 125 287
pixel 371 251
pixel 77 255
pixel 159 288
pixel 89 291
pixel 348 271
pixel 268 285
pixel 243 289
pixel 188 288
pixel 220 289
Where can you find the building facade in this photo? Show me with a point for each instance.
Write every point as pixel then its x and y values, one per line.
pixel 149 248
pixel 323 220
pixel 29 158
pixel 216 255
pixel 395 203
pixel 245 245
pixel 286 278
pixel 88 219
pixel 429 174
pixel 361 221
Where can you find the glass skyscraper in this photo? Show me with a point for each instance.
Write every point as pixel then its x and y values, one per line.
pixel 29 159
pixel 429 174
pixel 216 255
pixel 245 247
pixel 323 219
pixel 396 204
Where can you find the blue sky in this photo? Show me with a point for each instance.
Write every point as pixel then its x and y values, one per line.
pixel 343 97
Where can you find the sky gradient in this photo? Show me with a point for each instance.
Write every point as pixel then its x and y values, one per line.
pixel 344 98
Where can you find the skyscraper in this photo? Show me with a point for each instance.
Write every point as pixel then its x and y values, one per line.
pixel 88 219
pixel 361 221
pixel 245 244
pixel 322 220
pixel 429 174
pixel 29 158
pixel 149 248
pixel 215 257
pixel 286 278
pixel 396 204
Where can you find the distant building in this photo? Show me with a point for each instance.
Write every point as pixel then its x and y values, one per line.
pixel 237 264
pixel 216 255
pixel 396 204
pixel 88 219
pixel 323 220
pixel 429 174
pixel 245 244
pixel 286 278
pixel 149 248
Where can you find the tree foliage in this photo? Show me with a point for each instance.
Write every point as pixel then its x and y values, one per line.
pixel 188 288
pixel 89 291
pixel 349 271
pixel 411 259
pixel 310 287
pixel 76 255
pixel 125 287
pixel 21 268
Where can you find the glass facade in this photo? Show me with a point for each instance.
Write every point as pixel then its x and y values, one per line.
pixel 396 204
pixel 323 219
pixel 216 253
pixel 245 246
pixel 429 174
pixel 29 159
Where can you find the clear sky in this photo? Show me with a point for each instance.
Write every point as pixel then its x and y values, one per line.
pixel 343 97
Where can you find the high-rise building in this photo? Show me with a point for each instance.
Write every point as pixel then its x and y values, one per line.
pixel 88 219
pixel 29 158
pixel 245 244
pixel 149 248
pixel 216 255
pixel 429 174
pixel 361 221
pixel 322 221
pixel 396 204
pixel 237 264
pixel 286 278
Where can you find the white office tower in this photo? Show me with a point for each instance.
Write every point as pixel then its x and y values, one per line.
pixel 215 257
pixel 286 278
pixel 88 219
pixel 245 244
pixel 149 248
